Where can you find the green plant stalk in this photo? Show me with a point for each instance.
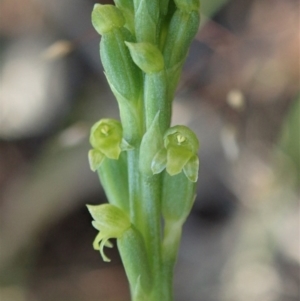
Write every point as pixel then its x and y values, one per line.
pixel 131 247
pixel 114 178
pixel 134 189
pixel 151 194
pixel 156 99
pixel 174 218
pixel 146 217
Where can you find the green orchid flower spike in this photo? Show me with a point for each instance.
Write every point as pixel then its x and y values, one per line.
pixel 178 154
pixel 107 142
pixel 148 170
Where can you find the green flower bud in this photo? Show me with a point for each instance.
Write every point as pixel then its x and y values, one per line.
pixel 106 139
pixel 111 222
pixel 123 76
pixel 122 73
pixel 159 161
pixel 191 168
pixel 146 56
pixel 127 8
pixel 105 18
pixel 181 31
pixel 188 5
pixel 180 153
pixel 146 19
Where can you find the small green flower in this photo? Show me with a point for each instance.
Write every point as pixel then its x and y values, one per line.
pixel 111 222
pixel 106 140
pixel 179 153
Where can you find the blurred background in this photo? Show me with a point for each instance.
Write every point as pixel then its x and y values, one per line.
pixel 239 91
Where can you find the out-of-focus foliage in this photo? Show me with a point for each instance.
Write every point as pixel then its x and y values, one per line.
pixel 289 141
pixel 210 7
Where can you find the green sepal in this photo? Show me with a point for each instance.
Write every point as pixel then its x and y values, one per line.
pixel 106 137
pixel 151 143
pixel 135 260
pixel 191 168
pixel 105 18
pixel 95 159
pixel 178 196
pixel 159 161
pixel 146 56
pixel 111 222
pixel 125 146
